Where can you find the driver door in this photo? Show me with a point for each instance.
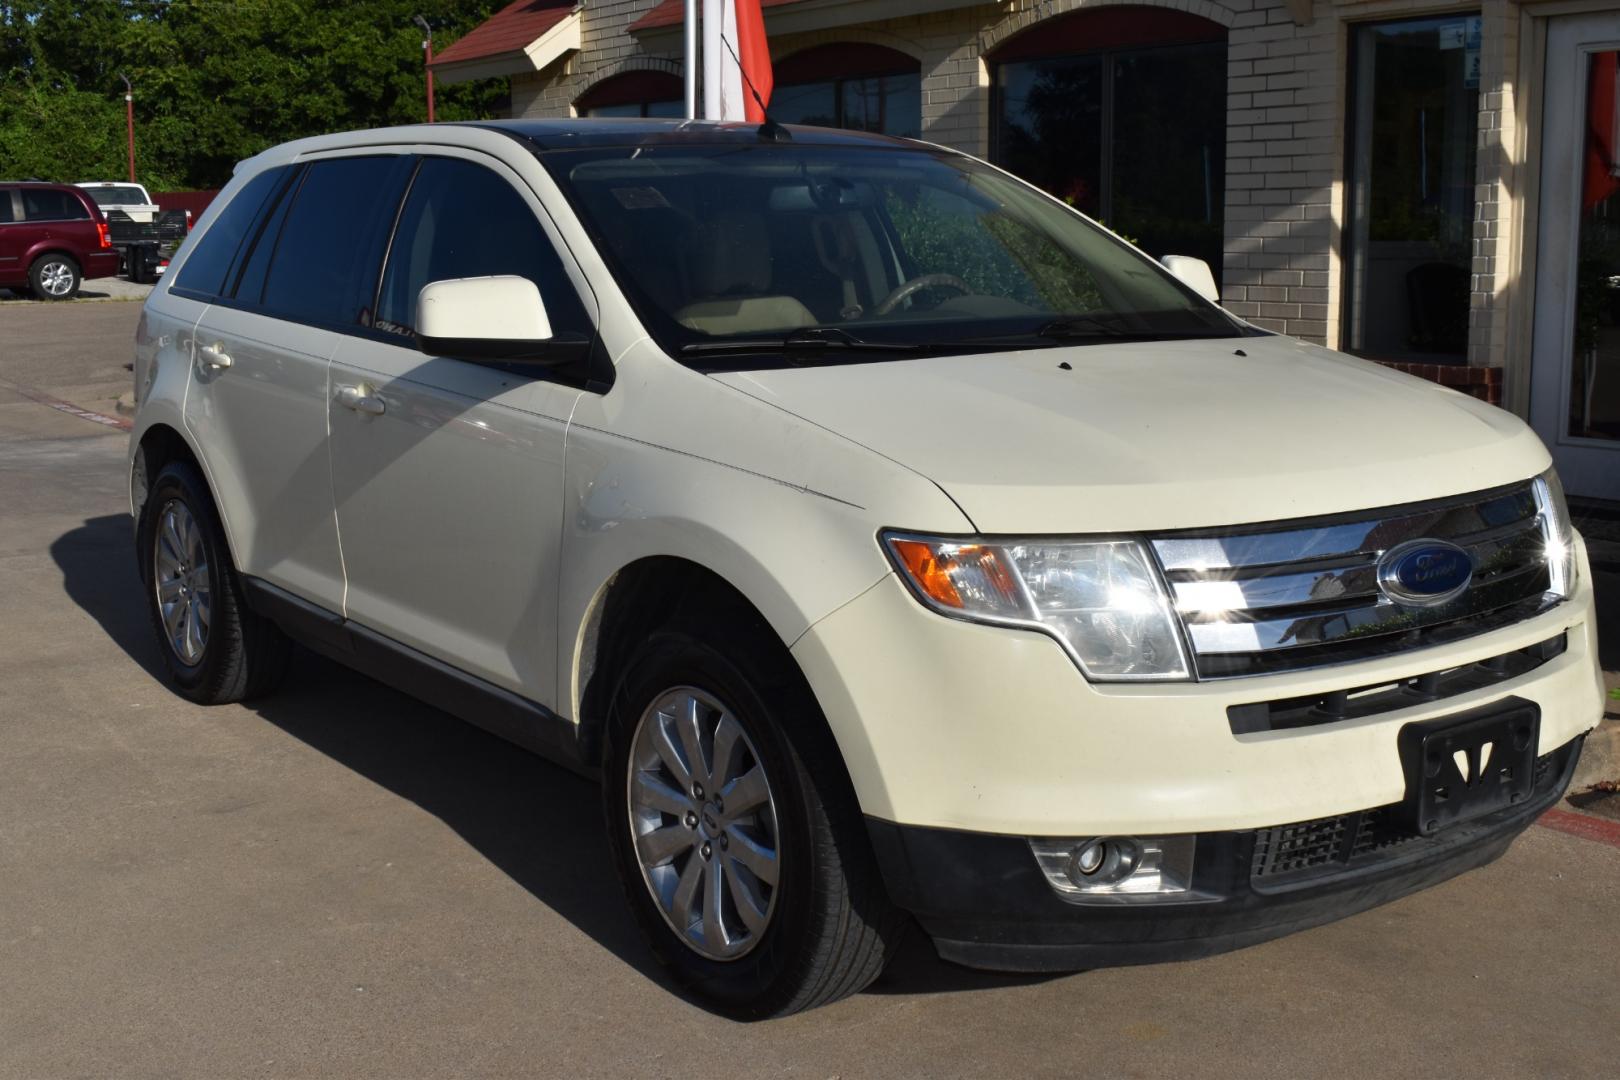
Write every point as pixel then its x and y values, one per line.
pixel 448 474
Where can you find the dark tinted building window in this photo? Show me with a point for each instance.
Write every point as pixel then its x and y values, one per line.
pixel 44 204
pixel 316 266
pixel 1414 129
pixel 1121 112
pixel 849 85
pixel 462 220
pixel 204 269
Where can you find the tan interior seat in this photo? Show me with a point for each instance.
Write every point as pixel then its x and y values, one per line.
pixel 729 266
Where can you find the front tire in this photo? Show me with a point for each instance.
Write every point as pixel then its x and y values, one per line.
pixel 215 648
pixel 54 277
pixel 739 846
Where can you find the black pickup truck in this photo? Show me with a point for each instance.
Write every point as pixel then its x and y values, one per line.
pixel 146 245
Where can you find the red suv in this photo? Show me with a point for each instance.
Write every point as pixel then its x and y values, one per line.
pixel 52 236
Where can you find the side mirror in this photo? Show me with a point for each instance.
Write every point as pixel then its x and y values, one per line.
pixel 1194 273
pixel 499 318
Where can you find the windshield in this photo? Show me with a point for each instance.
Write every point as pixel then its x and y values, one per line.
pixel 729 251
pixel 117 195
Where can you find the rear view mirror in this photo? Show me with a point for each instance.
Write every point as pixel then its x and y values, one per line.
pixel 1194 273
pixel 490 318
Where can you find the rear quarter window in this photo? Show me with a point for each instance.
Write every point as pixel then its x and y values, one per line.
pixel 203 271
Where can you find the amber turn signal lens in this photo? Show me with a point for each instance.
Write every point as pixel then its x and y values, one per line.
pixel 961 576
pixel 930 572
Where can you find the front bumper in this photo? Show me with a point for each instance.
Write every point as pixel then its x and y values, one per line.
pixel 954 725
pixel 986 904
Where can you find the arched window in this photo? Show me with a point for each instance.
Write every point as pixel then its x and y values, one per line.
pixel 634 93
pixel 1122 112
pixel 863 87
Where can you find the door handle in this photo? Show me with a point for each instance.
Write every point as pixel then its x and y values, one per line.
pixel 361 399
pixel 215 355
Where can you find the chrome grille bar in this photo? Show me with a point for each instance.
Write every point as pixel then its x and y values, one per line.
pixel 1301 594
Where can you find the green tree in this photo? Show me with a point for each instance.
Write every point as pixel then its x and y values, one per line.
pixel 216 81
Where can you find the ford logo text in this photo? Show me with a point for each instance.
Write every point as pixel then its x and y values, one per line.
pixel 1424 573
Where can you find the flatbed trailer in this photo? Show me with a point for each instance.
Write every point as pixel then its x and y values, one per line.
pixel 146 245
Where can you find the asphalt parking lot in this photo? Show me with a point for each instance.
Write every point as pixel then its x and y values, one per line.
pixel 339 881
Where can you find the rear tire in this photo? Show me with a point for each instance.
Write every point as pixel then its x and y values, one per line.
pixel 825 928
pixel 215 648
pixel 54 277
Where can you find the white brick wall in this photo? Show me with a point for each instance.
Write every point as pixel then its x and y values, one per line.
pixel 1285 169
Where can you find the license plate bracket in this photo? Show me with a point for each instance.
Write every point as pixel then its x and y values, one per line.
pixel 1465 766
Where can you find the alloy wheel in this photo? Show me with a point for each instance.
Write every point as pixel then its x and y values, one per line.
pixel 180 576
pixel 56 278
pixel 703 821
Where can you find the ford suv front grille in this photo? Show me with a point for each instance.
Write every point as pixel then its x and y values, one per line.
pixel 1302 594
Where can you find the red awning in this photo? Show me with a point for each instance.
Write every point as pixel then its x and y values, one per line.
pixel 510 30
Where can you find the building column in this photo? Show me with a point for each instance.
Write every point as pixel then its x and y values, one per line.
pixel 1283 172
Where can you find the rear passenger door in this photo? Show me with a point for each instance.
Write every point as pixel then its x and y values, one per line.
pixel 449 483
pixel 257 403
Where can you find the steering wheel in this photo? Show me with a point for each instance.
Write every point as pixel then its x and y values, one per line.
pixel 918 284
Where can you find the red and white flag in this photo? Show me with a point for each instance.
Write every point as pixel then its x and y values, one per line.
pixel 736 61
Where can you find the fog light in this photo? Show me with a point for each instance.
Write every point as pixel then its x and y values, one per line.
pixel 1088 858
pixel 1102 861
pixel 1116 869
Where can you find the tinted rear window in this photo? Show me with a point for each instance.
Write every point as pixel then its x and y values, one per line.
pixel 47 204
pixel 315 268
pixel 204 269
pixel 5 206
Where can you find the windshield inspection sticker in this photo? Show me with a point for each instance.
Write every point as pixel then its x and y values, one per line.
pixel 640 198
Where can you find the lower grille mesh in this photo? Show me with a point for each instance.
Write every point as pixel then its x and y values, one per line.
pixel 1306 849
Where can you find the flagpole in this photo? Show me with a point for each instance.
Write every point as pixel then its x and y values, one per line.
pixel 713 57
pixel 691 58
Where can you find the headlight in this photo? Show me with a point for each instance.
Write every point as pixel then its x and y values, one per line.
pixel 1101 599
pixel 1556 533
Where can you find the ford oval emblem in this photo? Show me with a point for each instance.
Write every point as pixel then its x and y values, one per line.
pixel 1424 573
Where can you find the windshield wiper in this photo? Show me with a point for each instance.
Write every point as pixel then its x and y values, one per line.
pixel 811 339
pixel 1084 326
pixel 1070 329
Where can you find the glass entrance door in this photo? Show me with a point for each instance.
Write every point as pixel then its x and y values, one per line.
pixel 1575 364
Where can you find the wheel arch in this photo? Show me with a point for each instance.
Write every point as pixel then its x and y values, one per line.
pixel 51 247
pixel 645 594
pixel 157 444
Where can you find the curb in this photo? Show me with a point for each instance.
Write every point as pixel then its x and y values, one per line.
pixel 1600 759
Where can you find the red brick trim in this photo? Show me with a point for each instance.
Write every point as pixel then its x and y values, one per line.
pixel 1484 383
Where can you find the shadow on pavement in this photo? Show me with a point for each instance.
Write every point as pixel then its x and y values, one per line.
pixel 538 823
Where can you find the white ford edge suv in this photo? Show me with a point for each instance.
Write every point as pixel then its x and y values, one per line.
pixel 894 543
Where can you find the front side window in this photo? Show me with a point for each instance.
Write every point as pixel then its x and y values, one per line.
pixel 720 246
pixel 462 220
pixel 1413 129
pixel 46 204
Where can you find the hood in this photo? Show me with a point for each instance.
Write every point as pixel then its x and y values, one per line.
pixel 1160 435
